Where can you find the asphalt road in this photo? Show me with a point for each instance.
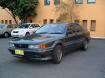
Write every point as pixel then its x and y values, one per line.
pixel 78 64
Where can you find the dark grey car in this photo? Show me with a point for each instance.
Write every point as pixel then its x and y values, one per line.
pixel 51 41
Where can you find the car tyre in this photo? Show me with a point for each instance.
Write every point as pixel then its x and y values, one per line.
pixel 85 45
pixel 6 35
pixel 58 54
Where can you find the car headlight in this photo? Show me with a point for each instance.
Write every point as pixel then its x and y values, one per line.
pixel 33 46
pixel 11 45
pixel 42 46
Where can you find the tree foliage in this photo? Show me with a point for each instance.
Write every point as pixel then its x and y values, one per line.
pixel 67 11
pixel 21 8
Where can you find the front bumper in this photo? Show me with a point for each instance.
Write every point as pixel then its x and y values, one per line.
pixel 33 54
pixel 17 35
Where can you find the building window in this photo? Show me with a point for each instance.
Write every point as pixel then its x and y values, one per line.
pixel 79 1
pixel 47 2
pixel 93 25
pixel 45 21
pixel 10 21
pixel 2 21
pixel 6 22
pixel 56 2
pixel 57 21
pixel 84 24
pixel 76 21
pixel 91 1
pixel 51 21
pixel 30 21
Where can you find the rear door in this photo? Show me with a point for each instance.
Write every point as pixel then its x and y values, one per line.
pixel 70 38
pixel 79 34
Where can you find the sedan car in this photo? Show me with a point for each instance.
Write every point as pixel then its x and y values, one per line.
pixel 51 42
pixel 5 30
pixel 25 29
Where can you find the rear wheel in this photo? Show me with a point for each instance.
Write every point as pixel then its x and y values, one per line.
pixel 58 53
pixel 6 35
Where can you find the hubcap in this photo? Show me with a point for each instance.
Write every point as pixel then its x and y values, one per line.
pixel 6 35
pixel 59 54
pixel 86 45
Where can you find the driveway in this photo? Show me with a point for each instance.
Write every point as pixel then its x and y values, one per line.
pixel 77 64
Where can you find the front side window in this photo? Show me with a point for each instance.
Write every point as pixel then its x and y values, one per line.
pixel 56 2
pixel 47 2
pixel 78 1
pixel 91 1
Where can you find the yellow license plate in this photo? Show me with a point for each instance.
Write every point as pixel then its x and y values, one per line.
pixel 19 52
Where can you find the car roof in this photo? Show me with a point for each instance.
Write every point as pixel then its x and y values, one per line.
pixel 32 23
pixel 65 23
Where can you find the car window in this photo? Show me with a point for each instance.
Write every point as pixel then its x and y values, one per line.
pixel 35 25
pixel 2 26
pixel 77 28
pixel 24 26
pixel 71 29
pixel 9 26
pixel 52 29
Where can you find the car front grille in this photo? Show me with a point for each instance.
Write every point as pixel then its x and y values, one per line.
pixel 21 45
pixel 15 31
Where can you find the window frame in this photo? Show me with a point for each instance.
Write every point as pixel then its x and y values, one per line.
pixel 58 2
pixel 76 2
pixel 90 2
pixel 46 3
pixel 93 28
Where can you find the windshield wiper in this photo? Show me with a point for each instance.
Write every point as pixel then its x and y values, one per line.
pixel 55 33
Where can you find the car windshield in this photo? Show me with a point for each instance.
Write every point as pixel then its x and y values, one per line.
pixel 52 29
pixel 24 26
pixel 2 26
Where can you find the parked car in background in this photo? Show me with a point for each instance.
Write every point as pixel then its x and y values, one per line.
pixel 5 30
pixel 51 42
pixel 24 29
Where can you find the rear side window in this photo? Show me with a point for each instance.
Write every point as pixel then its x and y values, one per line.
pixel 74 28
pixel 78 28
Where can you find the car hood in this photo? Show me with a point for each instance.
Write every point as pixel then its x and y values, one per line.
pixel 20 29
pixel 37 39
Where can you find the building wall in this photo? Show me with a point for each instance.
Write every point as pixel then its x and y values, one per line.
pixel 5 17
pixel 45 12
pixel 86 11
pixel 95 11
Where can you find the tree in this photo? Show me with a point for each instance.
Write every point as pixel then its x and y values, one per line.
pixel 21 8
pixel 67 11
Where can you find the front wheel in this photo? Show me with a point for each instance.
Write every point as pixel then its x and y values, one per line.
pixel 57 55
pixel 85 45
pixel 6 35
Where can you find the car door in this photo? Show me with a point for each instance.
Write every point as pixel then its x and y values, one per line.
pixel 79 35
pixel 70 39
